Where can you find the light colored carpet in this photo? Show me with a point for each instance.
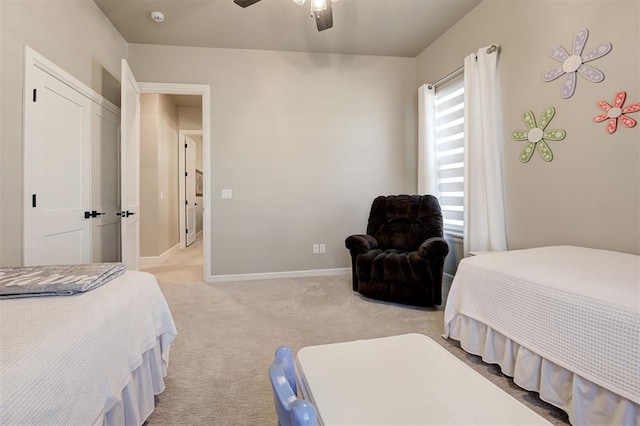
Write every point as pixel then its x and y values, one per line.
pixel 228 333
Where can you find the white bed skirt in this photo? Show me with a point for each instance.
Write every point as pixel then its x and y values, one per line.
pixel 585 402
pixel 137 402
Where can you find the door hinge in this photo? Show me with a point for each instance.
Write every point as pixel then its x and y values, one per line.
pixel 186 231
pixel 186 173
pixel 186 202
pixel 33 200
pixel 35 95
pixel 185 145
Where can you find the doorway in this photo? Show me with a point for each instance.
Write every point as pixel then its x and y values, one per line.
pixel 191 181
pixel 194 124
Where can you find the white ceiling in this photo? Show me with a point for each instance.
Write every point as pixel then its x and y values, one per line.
pixel 362 27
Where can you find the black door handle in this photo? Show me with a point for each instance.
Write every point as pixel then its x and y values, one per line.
pixel 125 214
pixel 91 214
pixel 130 213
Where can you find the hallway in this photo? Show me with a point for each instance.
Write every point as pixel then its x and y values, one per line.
pixel 183 266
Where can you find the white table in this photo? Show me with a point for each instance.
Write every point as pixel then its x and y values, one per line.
pixel 402 380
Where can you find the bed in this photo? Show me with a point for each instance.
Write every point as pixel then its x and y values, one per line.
pixel 563 321
pixel 93 358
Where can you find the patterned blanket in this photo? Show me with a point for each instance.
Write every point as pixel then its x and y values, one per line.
pixel 56 280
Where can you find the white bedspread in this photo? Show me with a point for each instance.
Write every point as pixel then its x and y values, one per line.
pixel 577 307
pixel 66 360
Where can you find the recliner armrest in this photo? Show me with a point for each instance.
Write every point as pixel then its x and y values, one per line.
pixel 434 247
pixel 360 244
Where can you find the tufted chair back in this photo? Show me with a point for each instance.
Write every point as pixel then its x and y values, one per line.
pixel 401 257
pixel 404 222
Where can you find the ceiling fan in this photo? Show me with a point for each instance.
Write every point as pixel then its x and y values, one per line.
pixel 320 11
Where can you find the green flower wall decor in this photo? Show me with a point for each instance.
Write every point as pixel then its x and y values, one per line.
pixel 536 135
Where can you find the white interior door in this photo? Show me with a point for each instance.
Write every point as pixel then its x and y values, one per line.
pixel 57 175
pixel 130 168
pixel 190 189
pixel 105 187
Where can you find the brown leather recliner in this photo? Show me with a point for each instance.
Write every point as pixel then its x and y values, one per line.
pixel 401 257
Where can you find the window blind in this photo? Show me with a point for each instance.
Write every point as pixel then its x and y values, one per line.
pixel 449 101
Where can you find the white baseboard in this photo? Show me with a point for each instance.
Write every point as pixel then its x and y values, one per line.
pixel 156 260
pixel 272 275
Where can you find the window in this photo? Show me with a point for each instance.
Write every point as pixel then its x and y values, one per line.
pixel 449 129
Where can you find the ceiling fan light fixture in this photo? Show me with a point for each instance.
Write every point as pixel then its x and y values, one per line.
pixel 320 11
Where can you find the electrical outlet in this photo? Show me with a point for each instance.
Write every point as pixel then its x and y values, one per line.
pixel 323 248
pixel 316 248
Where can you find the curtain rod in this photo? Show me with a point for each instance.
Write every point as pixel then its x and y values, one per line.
pixel 447 77
pixel 457 71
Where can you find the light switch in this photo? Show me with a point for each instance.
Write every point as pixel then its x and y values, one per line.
pixel 226 193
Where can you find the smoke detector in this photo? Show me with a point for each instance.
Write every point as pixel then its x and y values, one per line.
pixel 157 16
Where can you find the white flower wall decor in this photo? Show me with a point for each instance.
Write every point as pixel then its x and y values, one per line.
pixel 576 63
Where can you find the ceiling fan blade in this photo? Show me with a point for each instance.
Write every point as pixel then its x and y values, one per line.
pixel 324 18
pixel 245 3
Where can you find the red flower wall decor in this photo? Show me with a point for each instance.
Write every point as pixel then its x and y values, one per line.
pixel 616 113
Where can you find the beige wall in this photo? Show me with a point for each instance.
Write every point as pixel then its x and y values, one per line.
pixel 57 30
pixel 589 194
pixel 149 174
pixel 190 118
pixel 305 141
pixel 159 225
pixel 168 173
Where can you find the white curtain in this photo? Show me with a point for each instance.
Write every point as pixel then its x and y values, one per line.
pixel 427 160
pixel 484 210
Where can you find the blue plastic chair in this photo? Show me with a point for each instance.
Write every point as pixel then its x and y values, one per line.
pixel 291 411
